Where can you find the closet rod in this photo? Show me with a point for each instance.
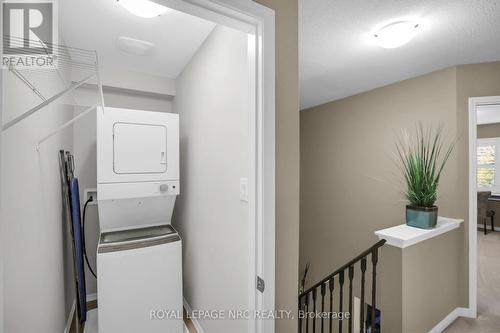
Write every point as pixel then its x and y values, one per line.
pixel 46 102
pixel 63 126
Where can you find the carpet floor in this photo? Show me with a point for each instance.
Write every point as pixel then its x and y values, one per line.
pixel 488 289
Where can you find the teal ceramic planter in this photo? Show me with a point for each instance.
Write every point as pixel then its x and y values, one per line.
pixel 421 217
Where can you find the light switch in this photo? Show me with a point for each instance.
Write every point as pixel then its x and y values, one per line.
pixel 244 189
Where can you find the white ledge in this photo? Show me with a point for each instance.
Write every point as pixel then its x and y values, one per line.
pixel 403 236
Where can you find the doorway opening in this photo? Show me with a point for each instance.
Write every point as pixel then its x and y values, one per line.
pixel 250 189
pixel 484 202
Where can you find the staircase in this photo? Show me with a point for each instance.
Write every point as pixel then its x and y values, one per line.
pixel 328 295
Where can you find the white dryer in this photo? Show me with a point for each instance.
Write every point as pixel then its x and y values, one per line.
pixel 137 167
pixel 139 255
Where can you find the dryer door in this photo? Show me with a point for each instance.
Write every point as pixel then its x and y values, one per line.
pixel 139 148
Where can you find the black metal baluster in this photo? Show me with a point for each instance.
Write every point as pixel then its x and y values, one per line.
pixel 307 313
pixel 341 298
pixel 331 287
pixel 300 317
pixel 374 287
pixel 362 314
pixel 323 291
pixel 310 295
pixel 314 310
pixel 351 276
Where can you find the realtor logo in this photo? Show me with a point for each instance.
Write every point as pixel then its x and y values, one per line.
pixel 29 32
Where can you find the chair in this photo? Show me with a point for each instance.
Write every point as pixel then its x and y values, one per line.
pixel 483 212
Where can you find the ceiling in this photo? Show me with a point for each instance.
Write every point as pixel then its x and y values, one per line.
pixel 97 24
pixel 339 59
pixel 488 114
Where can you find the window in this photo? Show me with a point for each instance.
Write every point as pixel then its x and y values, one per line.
pixel 488 165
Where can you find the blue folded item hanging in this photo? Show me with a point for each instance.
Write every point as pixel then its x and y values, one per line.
pixel 77 231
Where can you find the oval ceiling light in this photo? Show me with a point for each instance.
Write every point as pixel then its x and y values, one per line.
pixel 143 8
pixel 395 34
pixel 135 46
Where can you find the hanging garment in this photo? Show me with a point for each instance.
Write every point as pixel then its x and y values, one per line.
pixel 77 231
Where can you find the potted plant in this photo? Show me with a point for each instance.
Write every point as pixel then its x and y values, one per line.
pixel 422 159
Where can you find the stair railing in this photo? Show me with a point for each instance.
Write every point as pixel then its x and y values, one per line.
pixel 326 288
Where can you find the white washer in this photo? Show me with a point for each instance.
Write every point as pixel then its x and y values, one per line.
pixel 140 281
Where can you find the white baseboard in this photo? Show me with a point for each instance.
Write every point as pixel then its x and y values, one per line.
pixel 91 297
pixel 193 320
pixel 488 227
pixel 467 313
pixel 70 318
pixel 443 324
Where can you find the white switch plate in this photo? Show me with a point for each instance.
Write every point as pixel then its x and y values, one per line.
pixel 244 189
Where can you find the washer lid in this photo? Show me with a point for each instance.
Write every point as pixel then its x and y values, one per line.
pixel 136 238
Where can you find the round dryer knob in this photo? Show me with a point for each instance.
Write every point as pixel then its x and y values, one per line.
pixel 163 188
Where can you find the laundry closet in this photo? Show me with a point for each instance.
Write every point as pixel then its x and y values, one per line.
pixel 162 144
pixel 171 165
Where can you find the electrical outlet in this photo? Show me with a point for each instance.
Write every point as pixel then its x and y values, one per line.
pixel 91 192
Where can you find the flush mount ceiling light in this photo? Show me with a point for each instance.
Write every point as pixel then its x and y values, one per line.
pixel 143 8
pixel 135 46
pixel 395 34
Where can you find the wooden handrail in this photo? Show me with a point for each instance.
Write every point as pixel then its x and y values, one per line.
pixel 344 267
pixel 342 279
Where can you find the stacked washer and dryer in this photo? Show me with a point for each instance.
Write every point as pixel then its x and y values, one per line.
pixel 139 255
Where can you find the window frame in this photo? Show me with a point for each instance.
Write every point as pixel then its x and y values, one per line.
pixel 496 143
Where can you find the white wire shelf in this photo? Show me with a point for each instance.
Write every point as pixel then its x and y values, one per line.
pixel 52 72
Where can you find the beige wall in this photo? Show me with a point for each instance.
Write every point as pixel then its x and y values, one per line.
pixel 430 286
pixel 350 184
pixel 287 158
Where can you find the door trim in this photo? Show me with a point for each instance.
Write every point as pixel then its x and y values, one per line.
pixel 474 102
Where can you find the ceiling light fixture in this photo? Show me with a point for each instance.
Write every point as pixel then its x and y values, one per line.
pixel 135 46
pixel 395 34
pixel 143 8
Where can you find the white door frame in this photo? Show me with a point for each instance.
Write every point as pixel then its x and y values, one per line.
pixel 2 70
pixel 257 20
pixel 474 102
